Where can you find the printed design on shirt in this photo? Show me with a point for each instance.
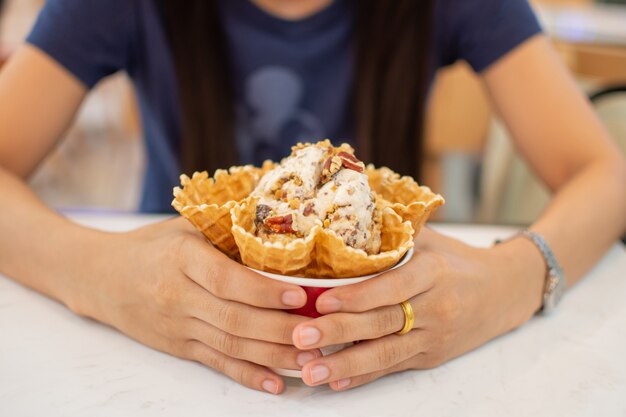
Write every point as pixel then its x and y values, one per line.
pixel 272 116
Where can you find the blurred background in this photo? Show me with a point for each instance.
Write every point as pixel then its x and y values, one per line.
pixel 469 157
pixel 104 141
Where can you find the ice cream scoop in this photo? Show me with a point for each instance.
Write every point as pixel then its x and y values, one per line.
pixel 318 185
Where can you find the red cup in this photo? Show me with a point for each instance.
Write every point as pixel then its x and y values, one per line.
pixel 314 287
pixel 309 309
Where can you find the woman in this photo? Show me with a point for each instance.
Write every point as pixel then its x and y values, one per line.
pixel 223 82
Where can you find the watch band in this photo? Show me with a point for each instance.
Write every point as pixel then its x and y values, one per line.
pixel 555 283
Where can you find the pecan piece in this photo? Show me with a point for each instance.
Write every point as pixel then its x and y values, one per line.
pixel 349 161
pixel 348 156
pixel 280 224
pixel 331 166
pixel 308 209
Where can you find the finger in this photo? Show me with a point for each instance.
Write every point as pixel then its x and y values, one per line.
pixel 366 357
pixel 393 287
pixel 230 280
pixel 246 373
pixel 419 361
pixel 355 381
pixel 241 319
pixel 263 353
pixel 338 328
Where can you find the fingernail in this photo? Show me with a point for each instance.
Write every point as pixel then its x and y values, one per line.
pixel 270 386
pixel 293 298
pixel 305 357
pixel 328 304
pixel 319 373
pixel 309 336
pixel 342 383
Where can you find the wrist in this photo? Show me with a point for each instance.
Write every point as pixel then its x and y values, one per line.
pixel 69 271
pixel 48 258
pixel 518 271
pixel 92 278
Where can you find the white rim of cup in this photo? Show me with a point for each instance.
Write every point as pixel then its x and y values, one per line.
pixel 331 282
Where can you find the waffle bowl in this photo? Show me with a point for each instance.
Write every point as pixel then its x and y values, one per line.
pixel 207 202
pixel 223 210
pixel 403 195
pixel 322 254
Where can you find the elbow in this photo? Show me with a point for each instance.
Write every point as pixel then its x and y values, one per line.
pixel 15 167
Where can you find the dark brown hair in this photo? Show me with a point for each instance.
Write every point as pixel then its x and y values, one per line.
pixel 393 61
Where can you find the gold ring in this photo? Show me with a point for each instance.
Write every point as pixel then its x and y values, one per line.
pixel 409 317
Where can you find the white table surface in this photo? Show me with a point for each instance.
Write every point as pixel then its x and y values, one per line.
pixel 53 363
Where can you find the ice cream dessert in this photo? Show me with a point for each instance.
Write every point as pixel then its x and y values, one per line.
pixel 318 185
pixel 320 212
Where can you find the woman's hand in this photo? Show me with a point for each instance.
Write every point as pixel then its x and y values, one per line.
pixel 166 287
pixel 462 297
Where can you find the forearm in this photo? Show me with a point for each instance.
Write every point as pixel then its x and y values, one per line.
pixel 554 127
pixel 583 220
pixel 586 217
pixel 38 247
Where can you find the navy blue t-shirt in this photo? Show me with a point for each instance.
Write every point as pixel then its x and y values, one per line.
pixel 292 79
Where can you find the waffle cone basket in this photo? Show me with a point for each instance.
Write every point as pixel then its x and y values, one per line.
pixel 207 202
pixel 221 208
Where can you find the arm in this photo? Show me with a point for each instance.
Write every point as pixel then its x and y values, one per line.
pixel 38 101
pixel 162 285
pixel 464 296
pixel 570 151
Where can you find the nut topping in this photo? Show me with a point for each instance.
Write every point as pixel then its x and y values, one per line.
pixel 308 209
pixel 342 160
pixel 348 156
pixel 262 212
pixel 294 204
pixel 349 161
pixel 280 224
pixel 331 166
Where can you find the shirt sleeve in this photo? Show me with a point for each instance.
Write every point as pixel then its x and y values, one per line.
pixel 482 31
pixel 90 38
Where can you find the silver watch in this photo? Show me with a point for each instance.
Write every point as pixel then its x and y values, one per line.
pixel 555 283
